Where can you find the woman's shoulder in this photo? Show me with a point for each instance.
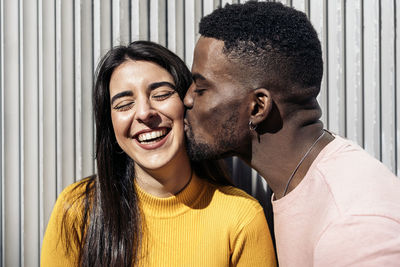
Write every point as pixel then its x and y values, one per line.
pixel 236 199
pixel 64 226
pixel 72 197
pixel 75 190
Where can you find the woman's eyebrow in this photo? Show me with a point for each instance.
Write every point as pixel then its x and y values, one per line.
pixel 151 87
pixel 159 84
pixel 122 94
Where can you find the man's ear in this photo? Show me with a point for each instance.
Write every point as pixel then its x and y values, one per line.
pixel 261 105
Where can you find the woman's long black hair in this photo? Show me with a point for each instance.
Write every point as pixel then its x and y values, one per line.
pixel 108 231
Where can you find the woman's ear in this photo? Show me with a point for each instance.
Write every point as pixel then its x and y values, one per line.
pixel 261 105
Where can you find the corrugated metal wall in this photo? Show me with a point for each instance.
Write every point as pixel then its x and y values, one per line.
pixel 49 49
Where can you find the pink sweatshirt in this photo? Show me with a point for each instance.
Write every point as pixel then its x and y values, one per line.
pixel 345 212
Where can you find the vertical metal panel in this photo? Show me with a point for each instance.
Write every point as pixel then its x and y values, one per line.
pixel 66 125
pixel 239 171
pixel 84 115
pixel 190 33
pixel 299 5
pixel 371 83
pixel 335 53
pixel 106 20
pixel 77 71
pixel 224 2
pixel 192 17
pixel 21 151
pixel 209 6
pixel 180 28
pixel 176 27
pixel 135 20
pixel 12 135
pixel 96 52
pixel 124 21
pixel 2 138
pixel 97 25
pixel 59 99
pixel 116 36
pixel 139 20
pixel 40 121
pixel 144 7
pixel 387 84
pixel 158 21
pixel 285 2
pixel 49 101
pixel 354 93
pixel 30 209
pixel 171 25
pixel 318 19
pixel 95 21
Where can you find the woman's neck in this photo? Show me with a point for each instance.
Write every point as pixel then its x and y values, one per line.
pixel 166 181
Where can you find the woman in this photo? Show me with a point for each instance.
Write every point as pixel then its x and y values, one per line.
pixel 149 205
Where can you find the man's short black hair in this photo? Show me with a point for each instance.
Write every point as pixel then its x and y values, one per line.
pixel 277 43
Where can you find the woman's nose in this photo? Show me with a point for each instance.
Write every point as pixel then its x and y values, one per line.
pixel 144 110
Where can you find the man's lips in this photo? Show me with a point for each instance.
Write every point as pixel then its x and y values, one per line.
pixel 186 126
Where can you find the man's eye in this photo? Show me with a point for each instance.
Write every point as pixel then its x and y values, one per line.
pixel 162 96
pixel 124 107
pixel 199 91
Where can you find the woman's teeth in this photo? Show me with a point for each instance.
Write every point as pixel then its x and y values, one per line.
pixel 149 137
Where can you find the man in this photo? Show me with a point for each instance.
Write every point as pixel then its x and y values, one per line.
pixel 257 71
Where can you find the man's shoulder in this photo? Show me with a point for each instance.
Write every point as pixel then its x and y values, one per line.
pixel 343 160
pixel 358 182
pixel 371 240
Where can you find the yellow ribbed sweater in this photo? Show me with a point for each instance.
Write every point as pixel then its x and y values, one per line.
pixel 204 225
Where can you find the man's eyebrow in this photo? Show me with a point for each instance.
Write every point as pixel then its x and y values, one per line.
pixel 159 84
pixel 198 76
pixel 122 94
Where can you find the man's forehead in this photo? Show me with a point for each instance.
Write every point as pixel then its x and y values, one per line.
pixel 209 57
pixel 212 44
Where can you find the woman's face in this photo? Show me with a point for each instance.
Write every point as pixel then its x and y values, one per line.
pixel 147 114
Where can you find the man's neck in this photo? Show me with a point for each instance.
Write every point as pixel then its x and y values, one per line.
pixel 275 156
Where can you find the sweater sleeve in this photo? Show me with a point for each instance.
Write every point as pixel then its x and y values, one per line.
pixel 253 245
pixel 53 249
pixel 359 241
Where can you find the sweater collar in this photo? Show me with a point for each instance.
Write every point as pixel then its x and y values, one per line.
pixel 174 205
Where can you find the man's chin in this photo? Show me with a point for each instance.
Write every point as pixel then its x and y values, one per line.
pixel 201 151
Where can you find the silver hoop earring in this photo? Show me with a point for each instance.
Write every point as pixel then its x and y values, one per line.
pixel 252 126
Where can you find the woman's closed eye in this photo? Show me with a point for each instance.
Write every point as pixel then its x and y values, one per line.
pixel 159 96
pixel 124 105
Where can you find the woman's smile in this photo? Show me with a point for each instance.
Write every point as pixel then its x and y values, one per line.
pixel 152 138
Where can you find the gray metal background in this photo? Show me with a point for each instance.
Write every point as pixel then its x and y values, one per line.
pixel 49 49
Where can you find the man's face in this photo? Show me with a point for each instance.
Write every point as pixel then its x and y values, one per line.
pixel 216 121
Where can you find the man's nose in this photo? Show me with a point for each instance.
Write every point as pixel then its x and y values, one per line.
pixel 144 110
pixel 188 100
